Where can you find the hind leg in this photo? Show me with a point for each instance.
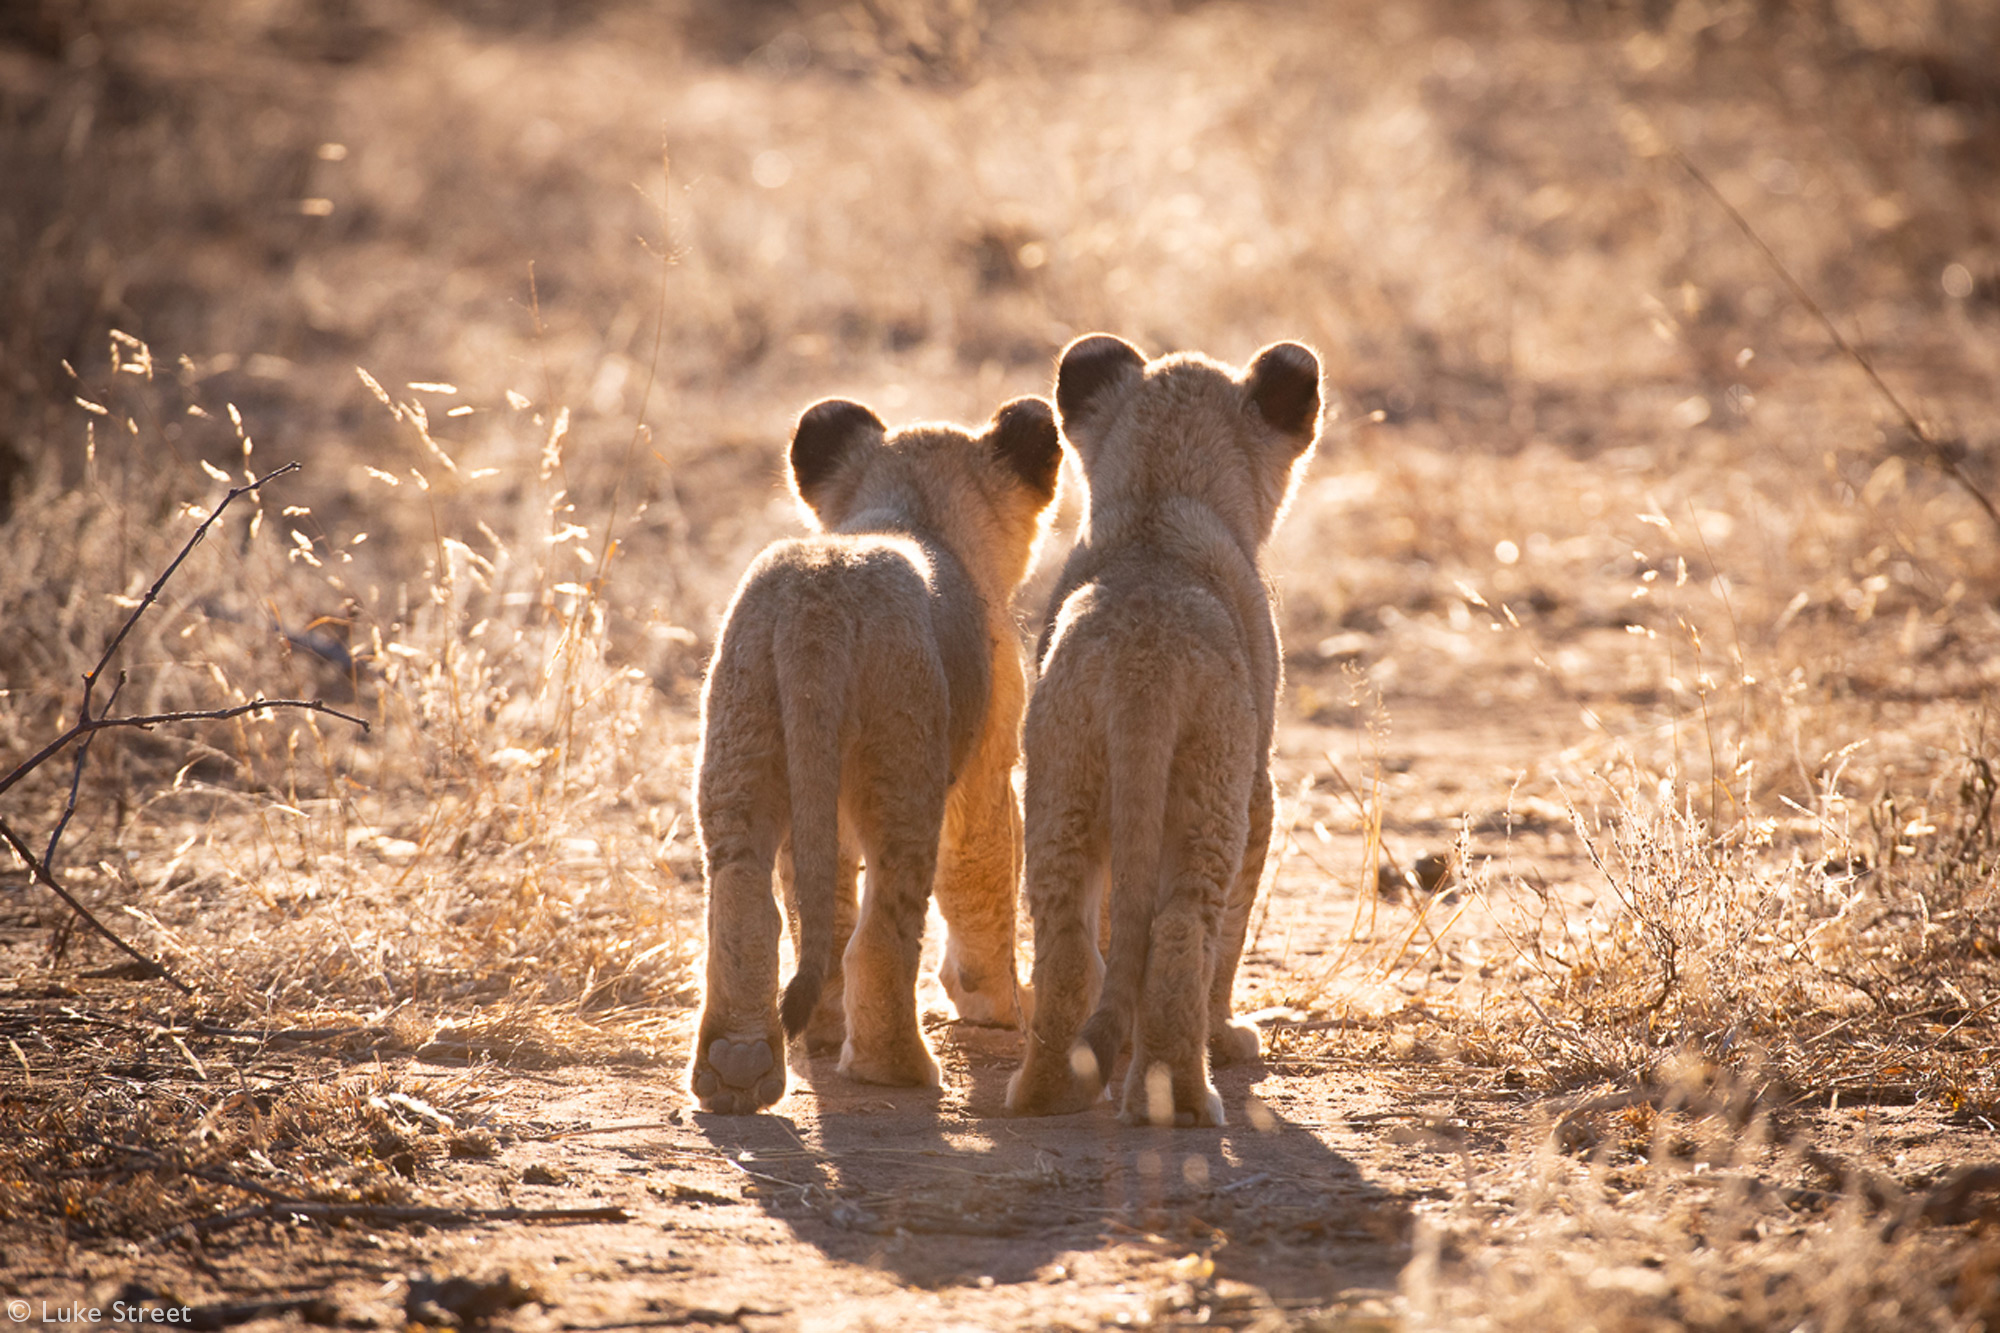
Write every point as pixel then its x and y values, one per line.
pixel 1167 1082
pixel 741 814
pixel 1065 874
pixel 827 1028
pixel 739 1051
pixel 1207 824
pixel 1230 1042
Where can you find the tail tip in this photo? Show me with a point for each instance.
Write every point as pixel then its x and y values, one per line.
pixel 1099 1043
pixel 801 998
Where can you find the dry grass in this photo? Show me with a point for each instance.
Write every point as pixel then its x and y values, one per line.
pixel 1588 1246
pixel 1597 475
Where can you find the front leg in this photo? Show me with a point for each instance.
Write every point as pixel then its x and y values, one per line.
pixel 884 1041
pixel 979 869
pixel 1067 878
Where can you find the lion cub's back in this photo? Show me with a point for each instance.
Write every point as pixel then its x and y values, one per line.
pixel 1133 658
pixel 819 593
pixel 1133 632
pixel 893 624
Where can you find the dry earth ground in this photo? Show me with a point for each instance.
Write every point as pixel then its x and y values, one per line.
pixel 1629 958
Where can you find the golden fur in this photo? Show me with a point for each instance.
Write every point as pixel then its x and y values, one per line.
pixel 1148 738
pixel 865 696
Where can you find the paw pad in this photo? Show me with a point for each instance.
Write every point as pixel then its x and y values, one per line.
pixel 738 1077
pixel 740 1063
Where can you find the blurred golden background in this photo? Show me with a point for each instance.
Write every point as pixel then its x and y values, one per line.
pixel 698 216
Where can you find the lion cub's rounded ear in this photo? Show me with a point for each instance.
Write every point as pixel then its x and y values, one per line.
pixel 1023 436
pixel 829 433
pixel 1090 368
pixel 1283 385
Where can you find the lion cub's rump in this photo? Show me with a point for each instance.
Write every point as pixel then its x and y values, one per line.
pixel 1148 738
pixel 865 695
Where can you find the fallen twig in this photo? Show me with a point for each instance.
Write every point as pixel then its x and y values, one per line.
pixel 315 1309
pixel 1322 1024
pixel 387 1212
pixel 291 1036
pixel 681 1318
pixel 552 1135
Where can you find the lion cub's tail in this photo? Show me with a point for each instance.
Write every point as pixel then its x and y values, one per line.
pixel 1145 725
pixel 811 706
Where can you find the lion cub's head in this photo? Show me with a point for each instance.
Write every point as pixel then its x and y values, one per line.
pixel 1185 425
pixel 983 495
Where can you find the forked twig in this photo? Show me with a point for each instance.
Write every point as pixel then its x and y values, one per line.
pixel 153 593
pixel 1939 454
pixel 87 725
pixel 40 872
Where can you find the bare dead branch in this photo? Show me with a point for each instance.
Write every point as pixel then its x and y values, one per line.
pixel 145 720
pixel 87 726
pixel 1940 456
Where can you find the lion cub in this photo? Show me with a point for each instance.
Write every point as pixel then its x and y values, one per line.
pixel 1148 740
pixel 865 696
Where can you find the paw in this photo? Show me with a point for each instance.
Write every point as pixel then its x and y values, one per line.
pixel 827 1031
pixel 992 1009
pixel 1161 1099
pixel 736 1076
pixel 1232 1044
pixel 1050 1087
pixel 988 998
pixel 898 1064
pixel 1208 1115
